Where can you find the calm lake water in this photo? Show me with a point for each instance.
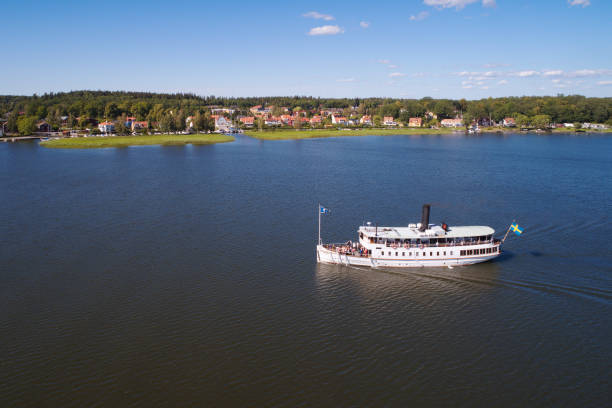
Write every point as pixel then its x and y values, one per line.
pixel 186 276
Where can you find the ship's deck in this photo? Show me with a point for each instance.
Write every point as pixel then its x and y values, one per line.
pixel 432 231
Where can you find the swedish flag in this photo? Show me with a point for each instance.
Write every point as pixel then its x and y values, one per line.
pixel 516 229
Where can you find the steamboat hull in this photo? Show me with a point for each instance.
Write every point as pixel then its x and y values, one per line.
pixel 427 258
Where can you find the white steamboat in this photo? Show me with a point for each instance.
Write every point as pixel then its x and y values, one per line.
pixel 417 245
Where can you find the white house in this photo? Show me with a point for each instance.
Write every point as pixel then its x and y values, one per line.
pixel 509 122
pixel 273 121
pixel 388 121
pixel 222 124
pixel 366 120
pixel 598 126
pixel 451 122
pixel 106 127
pixel 339 120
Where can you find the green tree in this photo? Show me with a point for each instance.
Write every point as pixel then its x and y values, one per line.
pixel 522 121
pixel 468 118
pixel 180 121
pixel 541 121
pixel 11 124
pixel 444 109
pixel 41 112
pixel 26 125
pixel 166 123
pixel 111 110
pixel 120 125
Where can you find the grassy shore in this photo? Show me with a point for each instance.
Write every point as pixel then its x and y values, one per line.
pixel 93 142
pixel 288 134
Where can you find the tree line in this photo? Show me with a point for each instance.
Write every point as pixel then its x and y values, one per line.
pixel 169 111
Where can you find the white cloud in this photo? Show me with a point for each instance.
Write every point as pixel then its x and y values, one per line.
pixel 604 83
pixel 392 66
pixel 396 75
pixel 502 82
pixel 556 81
pixel 582 3
pixel 589 72
pixel 364 24
pixel 326 30
pixel 345 80
pixel 484 87
pixel 419 74
pixel 318 16
pixel 467 86
pixel 421 16
pixel 458 4
pixel 524 74
pixel 555 72
pixel 384 61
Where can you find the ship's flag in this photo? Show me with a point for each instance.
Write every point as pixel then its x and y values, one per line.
pixel 323 210
pixel 516 229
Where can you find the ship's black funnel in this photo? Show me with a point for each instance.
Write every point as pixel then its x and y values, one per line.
pixel 425 217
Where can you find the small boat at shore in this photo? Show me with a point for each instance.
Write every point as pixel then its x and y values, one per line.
pixel 416 245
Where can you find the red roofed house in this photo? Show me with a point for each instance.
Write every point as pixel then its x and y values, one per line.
pixel 388 121
pixel 415 122
pixel 106 127
pixel 248 121
pixel 286 119
pixel 139 125
pixel 509 122
pixel 315 120
pixel 366 120
pixel 273 121
pixel 338 120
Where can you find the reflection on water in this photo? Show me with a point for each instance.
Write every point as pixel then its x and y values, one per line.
pixel 378 283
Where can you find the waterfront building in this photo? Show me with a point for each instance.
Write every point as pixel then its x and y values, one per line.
pixel 106 127
pixel 415 122
pixel 388 121
pixel 451 122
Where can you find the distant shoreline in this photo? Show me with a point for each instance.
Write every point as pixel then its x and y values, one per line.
pixel 294 134
pixel 94 142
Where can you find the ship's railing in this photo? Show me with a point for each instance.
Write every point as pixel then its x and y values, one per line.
pixel 357 249
pixel 439 244
pixel 346 249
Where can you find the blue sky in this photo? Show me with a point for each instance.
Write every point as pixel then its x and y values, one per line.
pixel 411 49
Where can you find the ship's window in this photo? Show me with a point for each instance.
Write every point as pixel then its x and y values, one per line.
pixel 437 253
pixel 389 253
pixel 444 253
pixel 403 254
pixel 396 254
pixel 409 253
pixel 462 253
pixel 431 254
pixel 451 252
